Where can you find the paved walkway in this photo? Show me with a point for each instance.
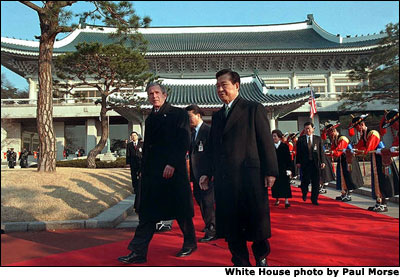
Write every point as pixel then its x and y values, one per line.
pixel 122 215
pixel 363 201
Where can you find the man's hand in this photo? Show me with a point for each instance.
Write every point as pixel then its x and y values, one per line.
pixel 298 165
pixel 203 182
pixel 269 181
pixel 322 165
pixel 168 171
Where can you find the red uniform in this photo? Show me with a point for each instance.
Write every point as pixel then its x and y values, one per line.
pixel 369 141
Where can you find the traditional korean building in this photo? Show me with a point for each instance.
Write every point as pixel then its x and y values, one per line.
pixel 277 63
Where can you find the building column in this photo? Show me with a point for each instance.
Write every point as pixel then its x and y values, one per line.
pixel 293 81
pixel 331 87
pixel 91 134
pixel 130 127
pixel 32 89
pixel 60 140
pixel 272 120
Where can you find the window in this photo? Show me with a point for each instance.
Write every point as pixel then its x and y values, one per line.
pixel 347 88
pixel 311 81
pixel 316 89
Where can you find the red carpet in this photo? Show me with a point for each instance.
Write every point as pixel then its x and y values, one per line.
pixel 332 234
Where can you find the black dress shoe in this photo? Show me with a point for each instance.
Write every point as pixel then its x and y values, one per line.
pixel 186 251
pixel 132 258
pixel 207 238
pixel 304 197
pixel 262 262
pixel 315 203
pixel 287 205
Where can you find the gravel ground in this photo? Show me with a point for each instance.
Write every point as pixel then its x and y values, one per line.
pixel 67 194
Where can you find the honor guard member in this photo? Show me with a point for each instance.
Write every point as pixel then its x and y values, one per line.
pixel 382 183
pixel 327 173
pixel 391 119
pixel 348 173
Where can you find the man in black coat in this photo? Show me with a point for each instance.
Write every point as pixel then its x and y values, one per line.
pixel 311 159
pixel 198 163
pixel 134 151
pixel 11 158
pixel 244 164
pixel 24 158
pixel 165 188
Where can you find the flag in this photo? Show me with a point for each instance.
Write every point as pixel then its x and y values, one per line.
pixel 313 105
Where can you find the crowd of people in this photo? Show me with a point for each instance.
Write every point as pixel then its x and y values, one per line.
pixel 232 163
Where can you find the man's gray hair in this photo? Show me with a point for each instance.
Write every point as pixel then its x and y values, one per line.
pixel 152 84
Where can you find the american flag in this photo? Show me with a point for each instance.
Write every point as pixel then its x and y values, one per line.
pixel 313 105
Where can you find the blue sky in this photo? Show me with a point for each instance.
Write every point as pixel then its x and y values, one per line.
pixel 336 17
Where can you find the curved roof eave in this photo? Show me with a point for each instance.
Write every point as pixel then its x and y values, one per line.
pixel 239 52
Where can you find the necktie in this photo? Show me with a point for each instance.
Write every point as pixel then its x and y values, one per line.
pixel 309 147
pixel 227 110
pixel 193 139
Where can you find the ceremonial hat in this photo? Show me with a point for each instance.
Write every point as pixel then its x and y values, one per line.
pixel 390 118
pixel 356 120
pixel 292 135
pixel 328 127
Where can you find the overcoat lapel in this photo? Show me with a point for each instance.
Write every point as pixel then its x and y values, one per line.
pixel 235 114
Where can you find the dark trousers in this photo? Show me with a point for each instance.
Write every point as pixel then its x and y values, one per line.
pixel 240 253
pixel 135 179
pixel 310 174
pixel 205 199
pixel 146 229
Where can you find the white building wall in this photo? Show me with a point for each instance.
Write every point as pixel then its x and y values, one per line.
pixel 10 137
pixel 60 141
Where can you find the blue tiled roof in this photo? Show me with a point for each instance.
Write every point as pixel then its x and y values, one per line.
pixel 306 39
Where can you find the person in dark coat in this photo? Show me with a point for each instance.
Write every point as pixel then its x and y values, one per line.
pixel 310 159
pixel 134 151
pixel 243 164
pixel 281 188
pixel 11 158
pixel 198 161
pixel 165 189
pixel 23 159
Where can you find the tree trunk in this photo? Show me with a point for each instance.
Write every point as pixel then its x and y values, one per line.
pixel 91 161
pixel 47 141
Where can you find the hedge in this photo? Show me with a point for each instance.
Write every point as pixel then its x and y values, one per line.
pixel 119 163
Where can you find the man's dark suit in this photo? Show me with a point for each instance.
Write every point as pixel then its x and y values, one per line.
pixel 134 159
pixel 310 165
pixel 198 163
pixel 241 154
pixel 167 140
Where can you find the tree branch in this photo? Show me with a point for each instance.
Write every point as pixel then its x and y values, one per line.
pixel 32 6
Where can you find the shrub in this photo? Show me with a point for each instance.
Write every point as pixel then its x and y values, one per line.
pixel 82 163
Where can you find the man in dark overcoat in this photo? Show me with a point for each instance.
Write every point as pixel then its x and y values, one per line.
pixel 134 150
pixel 243 164
pixel 311 159
pixel 24 158
pixel 198 162
pixel 11 158
pixel 165 187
